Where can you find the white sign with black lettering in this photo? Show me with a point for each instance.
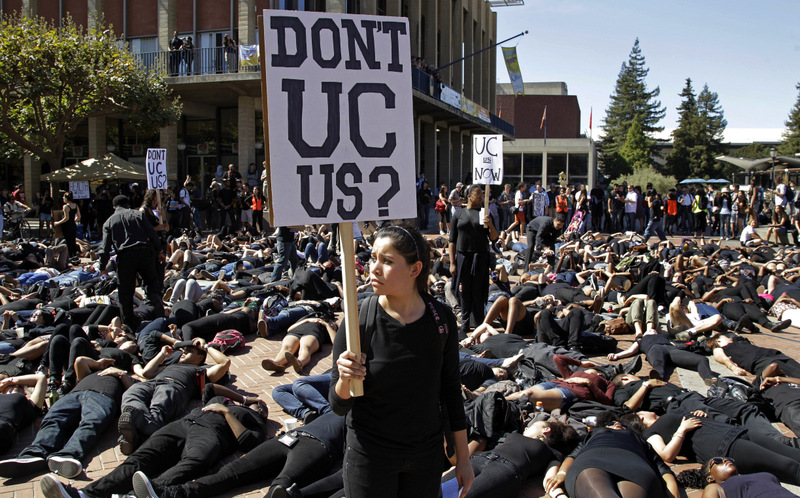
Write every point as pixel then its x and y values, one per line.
pixel 487 159
pixel 80 190
pixel 340 117
pixel 156 168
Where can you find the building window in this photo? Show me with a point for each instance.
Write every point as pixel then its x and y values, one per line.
pixel 512 167
pixel 578 169
pixel 556 163
pixel 532 168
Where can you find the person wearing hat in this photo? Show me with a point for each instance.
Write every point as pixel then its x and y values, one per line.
pixel 135 243
pixel 723 204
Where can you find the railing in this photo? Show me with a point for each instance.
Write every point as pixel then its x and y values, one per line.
pixel 214 60
pixel 427 84
pixel 217 60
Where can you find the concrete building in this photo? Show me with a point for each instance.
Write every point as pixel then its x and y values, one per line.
pixel 532 156
pixel 222 119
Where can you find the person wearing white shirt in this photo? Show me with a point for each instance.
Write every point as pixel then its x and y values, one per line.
pixel 749 237
pixel 631 203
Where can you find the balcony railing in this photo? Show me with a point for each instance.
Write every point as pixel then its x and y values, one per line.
pixel 427 84
pixel 217 60
pixel 214 60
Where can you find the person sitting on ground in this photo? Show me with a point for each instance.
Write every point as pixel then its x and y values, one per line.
pixel 303 339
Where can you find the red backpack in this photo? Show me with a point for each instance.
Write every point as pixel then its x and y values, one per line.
pixel 227 341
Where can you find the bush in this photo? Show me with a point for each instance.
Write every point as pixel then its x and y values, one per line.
pixel 643 176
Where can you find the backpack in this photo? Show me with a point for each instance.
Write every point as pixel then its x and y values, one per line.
pixel 274 304
pixel 228 341
pixel 595 344
pixel 368 313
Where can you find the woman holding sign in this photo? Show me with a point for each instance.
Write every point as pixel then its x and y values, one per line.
pixel 394 446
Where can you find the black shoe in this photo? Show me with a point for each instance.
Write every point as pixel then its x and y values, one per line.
pixel 310 416
pixel 53 384
pixel 65 388
pixel 53 488
pixel 743 323
pixel 633 366
pixel 128 433
pixel 777 327
pixel 22 466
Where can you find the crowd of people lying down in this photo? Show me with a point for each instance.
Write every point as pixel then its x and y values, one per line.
pixel 485 372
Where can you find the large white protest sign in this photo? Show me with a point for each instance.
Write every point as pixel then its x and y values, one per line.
pixel 80 190
pixel 156 168
pixel 339 112
pixel 487 159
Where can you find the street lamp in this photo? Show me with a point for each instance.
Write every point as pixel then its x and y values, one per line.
pixel 773 152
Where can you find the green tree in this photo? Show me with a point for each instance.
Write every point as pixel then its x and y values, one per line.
pixel 683 137
pixel 710 127
pixel 631 99
pixel 753 151
pixel 636 150
pixel 52 79
pixel 791 136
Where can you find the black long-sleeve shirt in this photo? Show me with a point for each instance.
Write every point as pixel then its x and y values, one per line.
pixel 127 229
pixel 409 377
pixel 544 232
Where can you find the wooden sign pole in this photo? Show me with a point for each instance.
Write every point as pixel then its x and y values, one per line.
pixel 350 303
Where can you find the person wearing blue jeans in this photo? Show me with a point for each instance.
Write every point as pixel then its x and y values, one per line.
pixel 316 253
pixel 286 318
pixel 306 398
pixel 287 253
pixel 72 427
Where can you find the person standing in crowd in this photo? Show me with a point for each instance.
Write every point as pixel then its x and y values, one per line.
pixel 185 203
pixel 175 45
pixel 246 203
pixel 469 258
pixel 456 199
pixel 505 206
pixel 685 218
pixel 257 206
pixel 394 448
pixel 656 207
pixel 253 175
pixel 102 204
pixel 597 205
pixel 540 200
pixel 135 242
pixel 424 196
pixel 71 216
pixel 631 206
pixel 444 215
pixel 542 233
pixel 46 213
pixel 521 201
pixel 227 207
pixel 700 212
pixel 723 202
pixel 286 251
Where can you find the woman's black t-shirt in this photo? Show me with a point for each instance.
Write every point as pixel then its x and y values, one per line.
pixel 467 233
pixel 707 441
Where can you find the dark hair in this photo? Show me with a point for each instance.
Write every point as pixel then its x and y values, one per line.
pixel 633 423
pixel 561 435
pixel 148 198
pixel 695 478
pixel 607 418
pixel 68 195
pixel 410 243
pixel 562 217
pixel 472 188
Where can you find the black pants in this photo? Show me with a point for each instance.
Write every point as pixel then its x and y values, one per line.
pixel 132 262
pixel 660 356
pixel 746 289
pixel 550 332
pixel 63 352
pixel 208 326
pixel 388 475
pixel 473 276
pixel 496 477
pixel 303 464
pixel 766 455
pixel 735 311
pixel 654 286
pixel 176 453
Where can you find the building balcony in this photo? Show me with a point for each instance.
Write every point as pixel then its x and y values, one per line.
pixel 195 62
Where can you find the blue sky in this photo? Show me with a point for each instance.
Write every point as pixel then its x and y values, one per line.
pixel 747 51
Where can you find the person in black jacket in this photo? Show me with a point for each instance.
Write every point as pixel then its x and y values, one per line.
pixel 542 233
pixel 394 448
pixel 135 242
pixel 185 448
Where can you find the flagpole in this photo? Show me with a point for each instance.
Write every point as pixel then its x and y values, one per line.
pixel 440 68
